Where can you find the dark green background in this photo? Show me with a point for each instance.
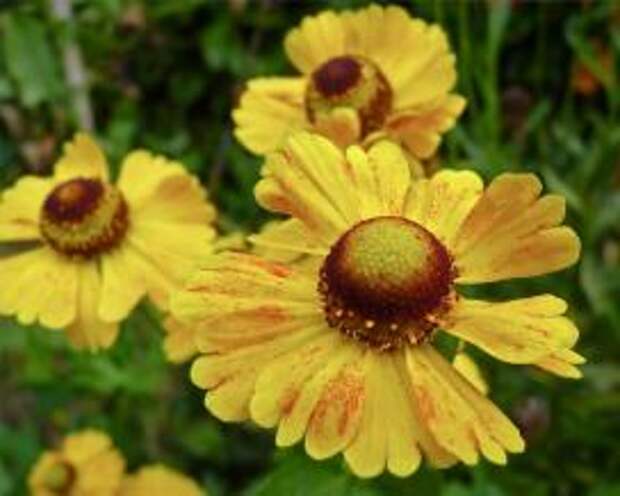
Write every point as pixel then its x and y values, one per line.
pixel 164 75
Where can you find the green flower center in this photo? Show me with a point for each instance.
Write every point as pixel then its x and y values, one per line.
pixel 59 478
pixel 352 82
pixel 383 280
pixel 84 217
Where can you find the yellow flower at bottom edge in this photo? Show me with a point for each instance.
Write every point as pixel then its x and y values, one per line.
pixel 87 464
pixel 342 354
pixel 159 480
pixel 98 248
pixel 365 75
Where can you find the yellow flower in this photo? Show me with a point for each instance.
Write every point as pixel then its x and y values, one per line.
pixel 158 480
pixel 366 74
pixel 94 248
pixel 86 465
pixel 342 353
pixel 469 369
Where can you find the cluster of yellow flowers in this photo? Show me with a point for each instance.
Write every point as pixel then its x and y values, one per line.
pixel 323 327
pixel 87 463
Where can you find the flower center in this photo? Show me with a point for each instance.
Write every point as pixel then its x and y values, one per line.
pixel 84 217
pixel 59 478
pixel 354 82
pixel 383 281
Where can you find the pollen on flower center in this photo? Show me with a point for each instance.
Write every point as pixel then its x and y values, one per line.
pixel 59 478
pixel 350 81
pixel 383 280
pixel 84 217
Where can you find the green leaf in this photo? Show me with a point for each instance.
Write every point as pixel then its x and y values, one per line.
pixel 30 60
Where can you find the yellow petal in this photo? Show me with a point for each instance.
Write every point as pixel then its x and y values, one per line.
pixel 420 129
pixel 470 370
pixel 88 331
pixel 441 203
pixel 315 41
pixel 159 480
pixel 83 445
pixel 40 285
pixel 285 240
pixel 382 177
pixel 462 420
pixel 252 298
pixel 230 376
pixel 179 343
pixel 336 414
pixel 82 158
pixel 280 383
pixel 518 331
pixel 310 180
pixel 342 126
pixel 20 207
pixel 122 283
pixel 161 191
pixel 511 232
pixel 296 420
pixel 368 451
pixel 269 111
pixel 562 363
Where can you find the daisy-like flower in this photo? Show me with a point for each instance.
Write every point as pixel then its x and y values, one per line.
pixel 365 75
pixel 159 480
pixel 341 351
pixel 93 248
pixel 87 464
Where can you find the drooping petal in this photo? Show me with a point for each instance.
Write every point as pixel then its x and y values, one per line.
pixel 88 331
pixel 461 419
pixel 82 158
pixel 39 285
pixel 511 232
pixel 420 129
pixel 230 376
pixel 563 363
pixel 519 331
pixel 270 110
pixel 323 402
pixel 20 207
pixel 441 203
pixel 310 180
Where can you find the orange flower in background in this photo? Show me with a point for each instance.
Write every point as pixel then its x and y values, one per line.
pixel 340 351
pixel 95 248
pixel 87 464
pixel 365 75
pixel 585 80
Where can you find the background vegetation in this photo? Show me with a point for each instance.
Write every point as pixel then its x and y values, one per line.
pixel 543 96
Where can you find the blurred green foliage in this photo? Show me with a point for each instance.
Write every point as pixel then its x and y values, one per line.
pixel 165 74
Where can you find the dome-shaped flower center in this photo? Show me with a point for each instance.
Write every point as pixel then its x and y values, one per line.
pixel 383 280
pixel 59 478
pixel 354 82
pixel 84 217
